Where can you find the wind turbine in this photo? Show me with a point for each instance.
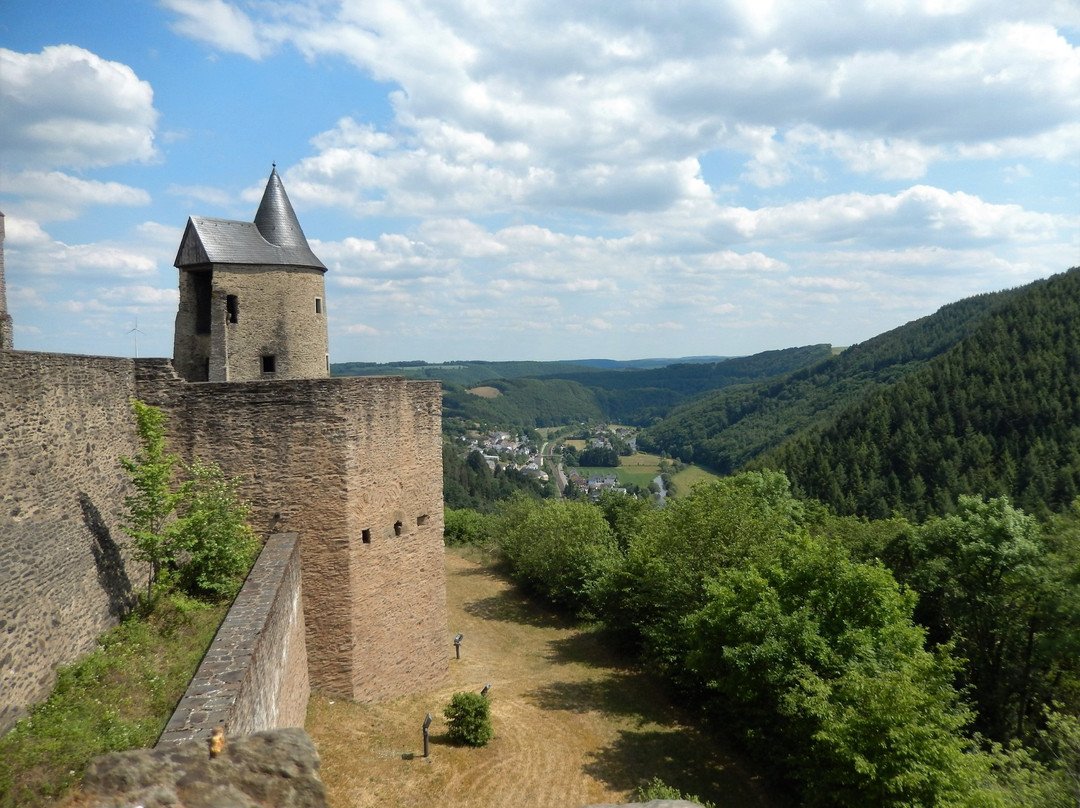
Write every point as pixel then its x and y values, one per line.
pixel 136 332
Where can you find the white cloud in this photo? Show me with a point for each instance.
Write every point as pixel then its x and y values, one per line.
pixel 54 195
pixel 33 253
pixel 360 328
pixel 530 106
pixel 918 214
pixel 138 296
pixel 541 167
pixel 69 107
pixel 219 24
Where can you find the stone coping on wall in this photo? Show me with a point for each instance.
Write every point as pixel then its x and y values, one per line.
pixel 225 676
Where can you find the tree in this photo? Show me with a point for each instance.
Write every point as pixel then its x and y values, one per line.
pixel 468 717
pixel 817 659
pixel 987 584
pixel 150 511
pixel 562 549
pixel 197 528
pixel 464 526
pixel 213 533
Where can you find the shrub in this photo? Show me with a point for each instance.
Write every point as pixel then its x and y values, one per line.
pixel 468 716
pixel 213 530
pixel 657 789
pixel 464 526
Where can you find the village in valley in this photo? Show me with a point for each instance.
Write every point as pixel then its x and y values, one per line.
pixel 565 457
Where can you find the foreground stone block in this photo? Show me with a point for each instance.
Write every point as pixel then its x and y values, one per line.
pixel 275 769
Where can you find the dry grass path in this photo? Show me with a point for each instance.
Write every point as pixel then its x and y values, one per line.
pixel 573 726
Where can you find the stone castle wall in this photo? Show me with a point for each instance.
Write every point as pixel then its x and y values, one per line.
pixel 254 676
pixel 352 465
pixel 65 565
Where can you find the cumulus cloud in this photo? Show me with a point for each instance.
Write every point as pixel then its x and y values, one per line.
pixel 54 195
pixel 542 167
pixel 531 106
pixel 36 254
pixel 919 213
pixel 221 25
pixel 69 107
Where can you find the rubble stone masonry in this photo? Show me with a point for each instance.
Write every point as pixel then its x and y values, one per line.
pixel 5 318
pixel 66 572
pixel 352 465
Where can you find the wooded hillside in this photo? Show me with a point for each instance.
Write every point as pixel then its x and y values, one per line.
pixel 998 413
pixel 727 429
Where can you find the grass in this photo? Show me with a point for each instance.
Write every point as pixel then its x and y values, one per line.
pixel 574 723
pixel 691 476
pixel 642 468
pixel 118 697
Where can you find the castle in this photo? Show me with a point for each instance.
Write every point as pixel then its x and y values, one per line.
pixel 350 468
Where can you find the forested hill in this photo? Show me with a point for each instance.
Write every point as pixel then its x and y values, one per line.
pixel 999 413
pixel 730 428
pixel 625 396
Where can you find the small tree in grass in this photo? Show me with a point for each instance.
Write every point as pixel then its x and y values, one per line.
pixel 196 529
pixel 468 716
pixel 150 511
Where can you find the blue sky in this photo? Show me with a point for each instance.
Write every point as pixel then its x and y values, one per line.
pixel 543 180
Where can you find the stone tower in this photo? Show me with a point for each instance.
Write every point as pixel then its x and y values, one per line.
pixel 252 299
pixel 5 318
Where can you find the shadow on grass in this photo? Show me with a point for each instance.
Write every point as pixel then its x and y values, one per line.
pixel 684 759
pixel 591 646
pixel 513 606
pixel 627 694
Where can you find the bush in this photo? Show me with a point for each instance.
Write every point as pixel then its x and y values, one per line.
pixel 657 789
pixel 213 531
pixel 464 526
pixel 559 549
pixel 468 716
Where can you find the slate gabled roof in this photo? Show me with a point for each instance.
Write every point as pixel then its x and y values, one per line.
pixel 275 237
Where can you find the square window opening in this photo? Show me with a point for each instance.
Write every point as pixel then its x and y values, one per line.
pixel 365 535
pixel 269 364
pixel 232 308
pixel 318 305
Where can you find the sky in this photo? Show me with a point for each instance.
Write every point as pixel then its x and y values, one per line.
pixel 543 180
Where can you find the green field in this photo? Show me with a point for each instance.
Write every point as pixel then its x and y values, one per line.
pixel 641 468
pixel 691 476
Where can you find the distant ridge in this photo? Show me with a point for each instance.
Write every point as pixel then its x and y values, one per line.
pixel 647 364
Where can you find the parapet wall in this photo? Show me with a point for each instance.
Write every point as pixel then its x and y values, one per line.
pixel 66 573
pixel 254 676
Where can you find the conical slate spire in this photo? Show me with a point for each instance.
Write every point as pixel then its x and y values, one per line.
pixel 276 219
